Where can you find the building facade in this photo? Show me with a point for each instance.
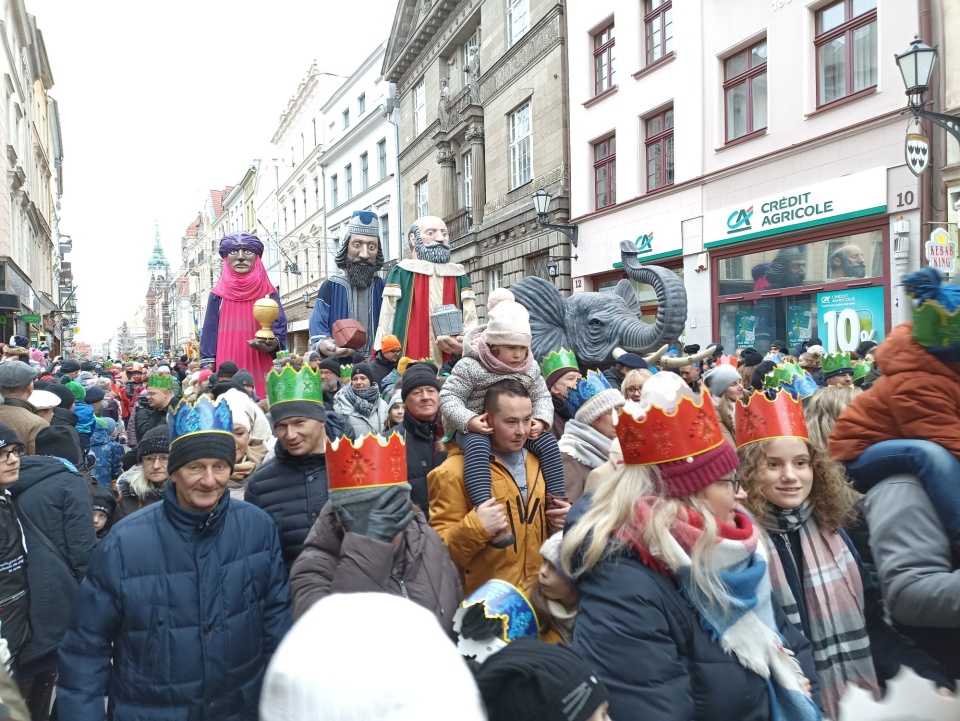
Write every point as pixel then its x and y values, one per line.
pixel 32 280
pixel 758 152
pixel 482 92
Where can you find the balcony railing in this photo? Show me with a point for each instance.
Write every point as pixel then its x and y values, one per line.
pixel 458 224
pixel 454 111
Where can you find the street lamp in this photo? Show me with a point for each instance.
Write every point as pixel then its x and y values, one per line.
pixel 541 202
pixel 552 268
pixel 306 297
pixel 916 65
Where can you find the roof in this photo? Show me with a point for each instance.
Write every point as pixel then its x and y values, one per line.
pixel 194 228
pixel 216 197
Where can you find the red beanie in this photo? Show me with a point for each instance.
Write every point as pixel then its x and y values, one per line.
pixel 686 477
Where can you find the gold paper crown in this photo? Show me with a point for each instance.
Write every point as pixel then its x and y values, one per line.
pixel 370 462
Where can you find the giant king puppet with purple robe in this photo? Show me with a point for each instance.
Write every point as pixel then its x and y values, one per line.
pixel 229 328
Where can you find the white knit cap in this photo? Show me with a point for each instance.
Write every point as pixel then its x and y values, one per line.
pixel 378 650
pixel 603 402
pixel 550 550
pixel 241 407
pixel 508 322
pixel 396 400
pixel 720 378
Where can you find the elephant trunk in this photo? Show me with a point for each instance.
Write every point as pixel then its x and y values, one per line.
pixel 641 337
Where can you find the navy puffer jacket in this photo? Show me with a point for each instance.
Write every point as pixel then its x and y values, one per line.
pixel 177 618
pixel 292 490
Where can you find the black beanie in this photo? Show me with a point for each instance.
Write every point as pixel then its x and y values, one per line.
pixel 760 372
pixel 202 444
pixel 750 357
pixel 416 376
pixel 331 364
pixel 156 440
pixel 67 399
pixel 529 679
pixel 9 437
pixel 69 366
pixel 363 369
pixel 58 441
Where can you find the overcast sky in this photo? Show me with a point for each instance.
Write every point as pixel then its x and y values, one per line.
pixel 160 102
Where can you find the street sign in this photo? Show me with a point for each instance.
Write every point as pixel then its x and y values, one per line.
pixel 941 250
pixel 30 318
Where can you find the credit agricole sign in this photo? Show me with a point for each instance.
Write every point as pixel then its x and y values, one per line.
pixel 832 201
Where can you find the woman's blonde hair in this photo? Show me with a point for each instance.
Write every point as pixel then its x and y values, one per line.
pixel 637 377
pixel 832 497
pixel 790 359
pixel 823 408
pixel 612 522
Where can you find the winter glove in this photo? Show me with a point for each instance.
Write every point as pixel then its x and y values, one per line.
pixel 380 518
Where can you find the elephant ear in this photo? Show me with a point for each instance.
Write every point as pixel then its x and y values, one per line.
pixel 547 312
pixel 626 291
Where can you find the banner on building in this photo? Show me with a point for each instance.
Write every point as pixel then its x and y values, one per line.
pixel 846 318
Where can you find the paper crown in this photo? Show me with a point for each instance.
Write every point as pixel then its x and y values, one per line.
pixel 836 363
pixel 861 369
pixel 160 380
pixel 727 360
pixel 503 601
pixel 934 326
pixel 586 389
pixel 558 360
pixel 204 416
pixel 346 372
pixel 371 462
pixel 652 435
pixel 792 378
pixel 293 385
pixel 763 418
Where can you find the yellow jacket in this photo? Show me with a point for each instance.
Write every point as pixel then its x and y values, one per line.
pixel 454 518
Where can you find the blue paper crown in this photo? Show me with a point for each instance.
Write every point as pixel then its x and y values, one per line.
pixel 203 417
pixel 502 600
pixel 590 387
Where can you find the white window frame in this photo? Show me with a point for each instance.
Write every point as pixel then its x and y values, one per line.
pixel 364 171
pixel 521 146
pixel 472 41
pixel 467 174
pixel 518 20
pixel 421 198
pixel 419 108
pixel 494 279
pixel 382 158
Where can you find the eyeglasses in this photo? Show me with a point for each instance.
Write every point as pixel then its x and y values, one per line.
pixel 241 252
pixel 735 482
pixel 633 390
pixel 5 455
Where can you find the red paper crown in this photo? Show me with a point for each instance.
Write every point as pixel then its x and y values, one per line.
pixel 661 437
pixel 373 461
pixel 763 419
pixel 728 360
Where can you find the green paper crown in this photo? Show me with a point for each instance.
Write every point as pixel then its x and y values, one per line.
pixel 292 385
pixel 837 362
pixel 934 325
pixel 160 380
pixel 860 369
pixel 558 360
pixel 346 372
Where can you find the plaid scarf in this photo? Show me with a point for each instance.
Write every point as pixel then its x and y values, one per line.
pixel 745 625
pixel 364 400
pixel 833 598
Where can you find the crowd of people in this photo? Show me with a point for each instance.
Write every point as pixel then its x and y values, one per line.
pixel 370 535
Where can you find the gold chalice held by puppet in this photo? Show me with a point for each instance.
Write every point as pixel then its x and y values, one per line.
pixel 266 310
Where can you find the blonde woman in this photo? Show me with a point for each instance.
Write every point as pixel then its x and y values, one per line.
pixel 823 409
pixel 675 615
pixel 633 383
pixel 249 457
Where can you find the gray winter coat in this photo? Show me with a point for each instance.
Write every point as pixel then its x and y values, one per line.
pixel 360 424
pixel 461 397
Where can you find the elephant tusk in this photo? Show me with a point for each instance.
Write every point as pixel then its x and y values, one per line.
pixel 680 361
pixel 617 352
pixel 654 358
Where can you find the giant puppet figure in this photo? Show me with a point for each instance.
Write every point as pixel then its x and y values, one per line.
pixel 416 287
pixel 229 327
pixel 357 293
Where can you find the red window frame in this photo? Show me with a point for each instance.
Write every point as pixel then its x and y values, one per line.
pixel 655 15
pixel 744 78
pixel 845 29
pixel 660 139
pixel 603 43
pixel 606 165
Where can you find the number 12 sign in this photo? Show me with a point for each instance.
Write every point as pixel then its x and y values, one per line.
pixel 846 318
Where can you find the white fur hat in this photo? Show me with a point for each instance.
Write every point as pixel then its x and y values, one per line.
pixel 367 671
pixel 508 322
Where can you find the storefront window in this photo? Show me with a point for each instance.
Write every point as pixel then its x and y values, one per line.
pixel 646 295
pixel 850 257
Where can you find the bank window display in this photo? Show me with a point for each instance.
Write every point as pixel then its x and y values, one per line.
pixel 830 288
pixel 745 91
pixel 846 47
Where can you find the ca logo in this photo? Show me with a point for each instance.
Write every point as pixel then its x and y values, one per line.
pixel 644 243
pixel 739 220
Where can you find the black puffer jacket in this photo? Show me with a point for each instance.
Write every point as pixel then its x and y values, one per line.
pixel 58 502
pixel 381 368
pixel 422 456
pixel 292 490
pixel 335 562
pixel 148 418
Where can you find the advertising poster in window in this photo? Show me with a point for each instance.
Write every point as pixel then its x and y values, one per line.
pixel 746 324
pixel 799 323
pixel 845 318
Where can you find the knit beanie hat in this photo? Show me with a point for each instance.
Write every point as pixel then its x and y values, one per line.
pixel 719 379
pixel 331 364
pixel 202 430
pixel 156 440
pixel 750 357
pixel 508 322
pixel 227 369
pixel 243 377
pixel 78 391
pixel 69 366
pixel 550 551
pixel 530 679
pixel 396 400
pixel 389 343
pixel 9 437
pixel 65 395
pixel 417 376
pixel 357 683
pixel 93 395
pixel 604 402
pixel 59 442
pixel 104 501
pixel 363 369
pixel 111 425
pixel 687 476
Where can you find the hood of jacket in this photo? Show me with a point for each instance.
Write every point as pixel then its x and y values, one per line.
pixel 99 437
pixel 900 353
pixel 36 469
pixel 471 339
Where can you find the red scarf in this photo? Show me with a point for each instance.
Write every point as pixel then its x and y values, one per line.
pixel 237 324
